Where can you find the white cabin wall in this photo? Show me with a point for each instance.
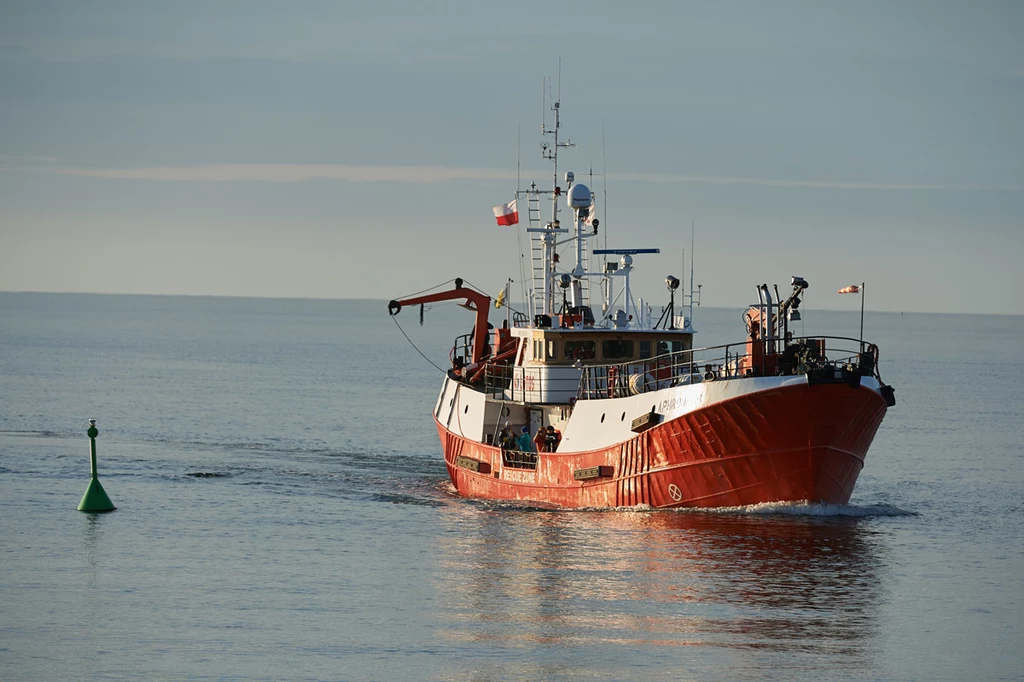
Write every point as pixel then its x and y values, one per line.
pixel 545 383
pixel 471 414
pixel 461 410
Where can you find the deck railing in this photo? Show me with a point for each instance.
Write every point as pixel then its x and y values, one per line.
pixel 462 348
pixel 716 363
pixel 730 361
pixel 530 383
pixel 517 459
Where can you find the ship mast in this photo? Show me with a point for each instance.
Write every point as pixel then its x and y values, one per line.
pixel 569 286
pixel 549 232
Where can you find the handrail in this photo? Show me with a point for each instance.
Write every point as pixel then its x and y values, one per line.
pixel 462 347
pixel 715 363
pixel 725 362
pixel 512 383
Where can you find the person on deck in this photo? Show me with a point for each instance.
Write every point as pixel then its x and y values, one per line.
pixel 506 439
pixel 541 440
pixel 553 438
pixel 524 441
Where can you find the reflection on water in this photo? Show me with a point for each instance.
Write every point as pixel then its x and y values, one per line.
pixel 91 538
pixel 628 585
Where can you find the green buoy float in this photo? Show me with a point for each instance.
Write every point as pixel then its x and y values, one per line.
pixel 95 498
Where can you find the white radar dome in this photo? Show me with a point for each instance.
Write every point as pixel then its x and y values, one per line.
pixel 579 196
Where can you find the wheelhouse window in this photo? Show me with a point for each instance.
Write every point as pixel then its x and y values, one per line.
pixel 673 346
pixel 645 349
pixel 580 350
pixel 552 349
pixel 615 349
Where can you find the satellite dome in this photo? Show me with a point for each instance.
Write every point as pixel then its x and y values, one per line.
pixel 579 196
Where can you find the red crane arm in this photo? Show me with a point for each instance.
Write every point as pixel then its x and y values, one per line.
pixel 481 301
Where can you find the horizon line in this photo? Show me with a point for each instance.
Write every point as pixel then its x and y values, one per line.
pixel 434 174
pixel 385 301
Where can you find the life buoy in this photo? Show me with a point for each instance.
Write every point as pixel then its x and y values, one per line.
pixel 644 382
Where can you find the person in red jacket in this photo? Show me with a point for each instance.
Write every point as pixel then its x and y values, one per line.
pixel 541 440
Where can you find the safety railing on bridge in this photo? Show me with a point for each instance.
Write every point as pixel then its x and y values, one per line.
pixel 726 362
pixel 533 383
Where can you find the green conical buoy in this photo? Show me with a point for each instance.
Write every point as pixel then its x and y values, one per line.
pixel 95 498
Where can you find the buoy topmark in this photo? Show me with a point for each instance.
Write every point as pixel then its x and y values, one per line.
pixel 95 499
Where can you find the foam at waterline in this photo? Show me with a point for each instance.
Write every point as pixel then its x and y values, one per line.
pixel 819 509
pixel 807 509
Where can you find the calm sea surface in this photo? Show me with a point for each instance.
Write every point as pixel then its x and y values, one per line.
pixel 284 514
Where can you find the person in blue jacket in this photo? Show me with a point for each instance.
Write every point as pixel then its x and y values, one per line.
pixel 524 441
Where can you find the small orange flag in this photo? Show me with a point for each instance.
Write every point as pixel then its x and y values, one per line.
pixel 852 289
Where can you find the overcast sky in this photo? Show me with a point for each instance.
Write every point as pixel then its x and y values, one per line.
pixel 355 149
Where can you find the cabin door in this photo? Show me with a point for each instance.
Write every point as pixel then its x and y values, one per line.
pixel 536 421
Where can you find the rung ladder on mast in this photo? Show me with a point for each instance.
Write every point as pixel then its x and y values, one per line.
pixel 537 253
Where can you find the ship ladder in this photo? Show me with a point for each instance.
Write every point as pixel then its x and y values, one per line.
pixel 585 281
pixel 537 254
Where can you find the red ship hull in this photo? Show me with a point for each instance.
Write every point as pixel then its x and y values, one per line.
pixel 798 443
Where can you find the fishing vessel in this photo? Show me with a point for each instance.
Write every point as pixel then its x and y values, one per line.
pixel 586 400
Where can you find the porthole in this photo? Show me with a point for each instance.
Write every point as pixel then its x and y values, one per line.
pixel 466 411
pixel 623 417
pixel 602 418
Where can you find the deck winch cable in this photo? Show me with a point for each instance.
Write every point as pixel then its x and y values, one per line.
pixel 469 284
pixel 428 289
pixel 395 318
pixel 437 286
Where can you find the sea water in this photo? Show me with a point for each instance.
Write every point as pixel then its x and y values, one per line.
pixel 284 514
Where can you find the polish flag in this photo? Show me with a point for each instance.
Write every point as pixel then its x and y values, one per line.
pixel 591 214
pixel 852 289
pixel 507 214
